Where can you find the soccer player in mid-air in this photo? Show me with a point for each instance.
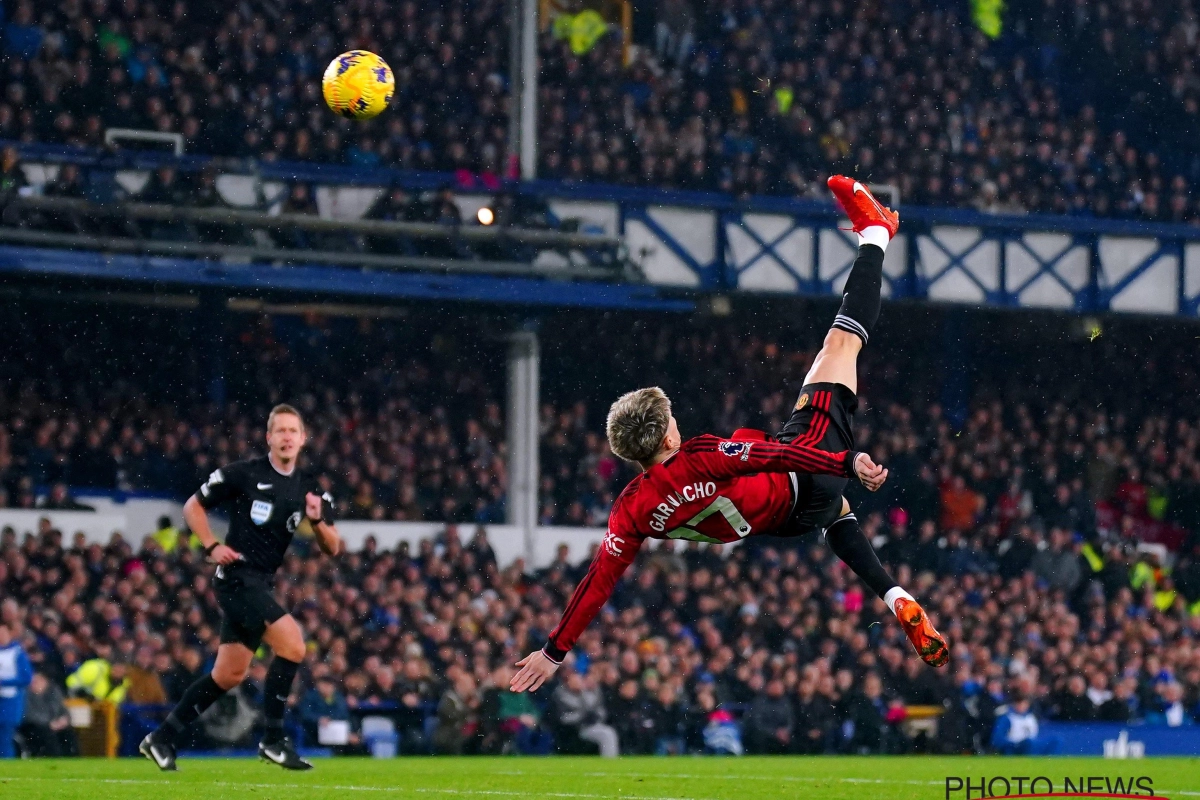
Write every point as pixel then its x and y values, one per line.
pixel 722 490
pixel 267 498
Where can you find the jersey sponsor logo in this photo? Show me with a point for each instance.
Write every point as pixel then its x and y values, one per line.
pixel 262 487
pixel 735 449
pixel 802 402
pixel 693 491
pixel 612 544
pixel 260 511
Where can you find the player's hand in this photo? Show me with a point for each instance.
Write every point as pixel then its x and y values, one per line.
pixel 870 474
pixel 224 555
pixel 536 669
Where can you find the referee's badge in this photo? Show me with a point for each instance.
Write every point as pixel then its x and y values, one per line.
pixel 260 511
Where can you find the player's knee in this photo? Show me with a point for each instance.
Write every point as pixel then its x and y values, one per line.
pixel 840 341
pixel 228 677
pixel 292 650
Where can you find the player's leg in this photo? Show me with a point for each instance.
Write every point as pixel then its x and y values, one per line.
pixel 287 643
pixel 875 225
pixel 230 668
pixel 837 360
pixel 850 544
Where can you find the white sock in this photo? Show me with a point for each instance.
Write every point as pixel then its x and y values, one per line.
pixel 894 594
pixel 876 235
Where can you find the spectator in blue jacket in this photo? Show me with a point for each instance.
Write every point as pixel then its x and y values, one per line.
pixel 1017 732
pixel 15 674
pixel 1171 710
pixel 323 703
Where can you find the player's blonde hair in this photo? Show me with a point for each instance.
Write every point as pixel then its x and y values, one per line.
pixel 283 408
pixel 637 424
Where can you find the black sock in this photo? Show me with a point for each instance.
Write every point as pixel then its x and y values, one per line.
pixel 275 696
pixel 860 298
pixel 195 701
pixel 849 543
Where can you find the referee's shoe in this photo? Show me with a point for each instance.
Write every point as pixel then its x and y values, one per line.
pixel 161 753
pixel 282 753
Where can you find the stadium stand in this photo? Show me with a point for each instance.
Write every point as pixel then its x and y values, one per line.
pixel 399 436
pixel 754 100
pixel 692 639
pixel 1058 546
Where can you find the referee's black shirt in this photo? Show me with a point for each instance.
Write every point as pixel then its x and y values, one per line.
pixel 264 507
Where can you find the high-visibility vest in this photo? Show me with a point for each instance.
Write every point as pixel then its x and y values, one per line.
pixel 1140 575
pixel 93 678
pixel 167 538
pixel 1164 600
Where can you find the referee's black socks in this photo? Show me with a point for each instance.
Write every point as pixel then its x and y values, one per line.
pixel 850 544
pixel 275 696
pixel 195 701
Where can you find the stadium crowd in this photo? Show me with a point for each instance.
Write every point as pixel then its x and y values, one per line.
pixel 1058 547
pixel 396 433
pixel 752 98
pixel 770 648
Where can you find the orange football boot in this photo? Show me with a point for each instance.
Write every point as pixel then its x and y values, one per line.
pixel 931 645
pixel 861 206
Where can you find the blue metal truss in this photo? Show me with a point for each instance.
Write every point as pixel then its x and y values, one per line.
pixel 1106 294
pixel 808 284
pixel 1045 268
pixel 725 214
pixel 956 261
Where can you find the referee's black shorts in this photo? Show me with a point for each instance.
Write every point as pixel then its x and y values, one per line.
pixel 248 604
pixel 823 418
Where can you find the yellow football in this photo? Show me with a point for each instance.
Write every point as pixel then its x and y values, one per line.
pixel 358 84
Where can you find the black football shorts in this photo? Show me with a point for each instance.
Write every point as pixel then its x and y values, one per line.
pixel 248 604
pixel 823 417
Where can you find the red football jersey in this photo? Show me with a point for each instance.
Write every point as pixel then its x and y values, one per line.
pixel 711 490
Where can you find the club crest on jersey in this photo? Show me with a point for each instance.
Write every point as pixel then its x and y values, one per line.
pixel 802 402
pixel 260 511
pixel 735 449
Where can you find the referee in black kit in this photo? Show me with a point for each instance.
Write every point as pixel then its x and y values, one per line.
pixel 267 499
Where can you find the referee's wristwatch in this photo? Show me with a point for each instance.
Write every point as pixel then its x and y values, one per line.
pixel 208 551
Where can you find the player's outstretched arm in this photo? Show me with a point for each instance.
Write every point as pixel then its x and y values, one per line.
pixel 727 459
pixel 616 553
